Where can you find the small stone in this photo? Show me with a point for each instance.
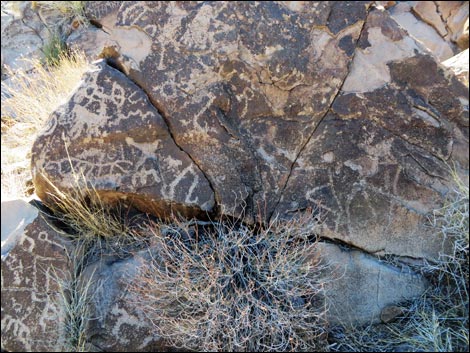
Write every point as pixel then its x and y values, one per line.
pixel 390 313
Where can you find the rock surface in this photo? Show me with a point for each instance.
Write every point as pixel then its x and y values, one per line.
pixel 273 107
pixel 32 313
pixel 16 215
pixel 459 65
pixel 441 26
pixel 348 300
pixel 23 35
pixel 117 324
pixel 112 134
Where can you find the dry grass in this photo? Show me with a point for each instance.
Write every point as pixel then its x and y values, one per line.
pixel 75 299
pixel 81 208
pixel 68 11
pixel 28 98
pixel 225 286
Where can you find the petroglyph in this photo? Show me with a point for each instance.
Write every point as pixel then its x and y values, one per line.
pixel 32 313
pixel 273 106
pixel 112 134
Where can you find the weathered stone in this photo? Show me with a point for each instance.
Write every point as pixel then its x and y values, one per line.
pixel 358 287
pixel 459 65
pixel 23 35
pixel 390 313
pixel 117 324
pixel 32 310
pixel 420 30
pixel 111 132
pixel 280 107
pixel 379 168
pixel 457 22
pixel 241 84
pixel 428 12
pixel 16 215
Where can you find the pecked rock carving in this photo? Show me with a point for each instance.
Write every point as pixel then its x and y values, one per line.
pixel 112 134
pixel 33 314
pixel 269 108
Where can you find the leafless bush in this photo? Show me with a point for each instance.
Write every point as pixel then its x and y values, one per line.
pixel 226 286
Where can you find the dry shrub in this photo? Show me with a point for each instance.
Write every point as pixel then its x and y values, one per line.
pixel 226 286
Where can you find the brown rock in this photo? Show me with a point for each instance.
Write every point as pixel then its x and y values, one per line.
pixel 390 313
pixel 387 138
pixel 275 107
pixel 241 84
pixel 111 132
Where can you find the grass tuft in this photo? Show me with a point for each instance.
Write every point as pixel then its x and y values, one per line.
pixel 28 98
pixel 54 50
pixel 75 299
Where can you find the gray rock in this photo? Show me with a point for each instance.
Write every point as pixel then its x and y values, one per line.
pixel 117 324
pixel 359 287
pixel 33 313
pixel 16 215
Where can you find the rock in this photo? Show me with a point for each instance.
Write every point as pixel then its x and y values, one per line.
pixel 221 118
pixel 459 65
pixel 429 13
pixel 457 21
pixel 23 35
pixel 390 313
pixel 117 324
pixel 363 287
pixel 274 107
pixel 33 313
pixel 441 26
pixel 239 95
pixel 16 215
pixel 420 30
pixel 111 132
pixel 378 169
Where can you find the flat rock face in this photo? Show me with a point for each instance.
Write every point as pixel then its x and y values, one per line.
pixel 269 108
pixel 16 215
pixel 241 85
pixel 111 133
pixel 348 300
pixel 32 314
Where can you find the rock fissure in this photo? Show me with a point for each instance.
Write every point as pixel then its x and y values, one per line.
pixel 168 125
pixel 323 116
pixel 444 21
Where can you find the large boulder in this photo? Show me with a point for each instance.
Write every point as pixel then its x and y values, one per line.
pixel 262 110
pixel 111 134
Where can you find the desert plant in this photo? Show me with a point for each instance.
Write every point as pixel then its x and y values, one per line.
pixel 81 208
pixel 54 49
pixel 227 286
pixel 75 295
